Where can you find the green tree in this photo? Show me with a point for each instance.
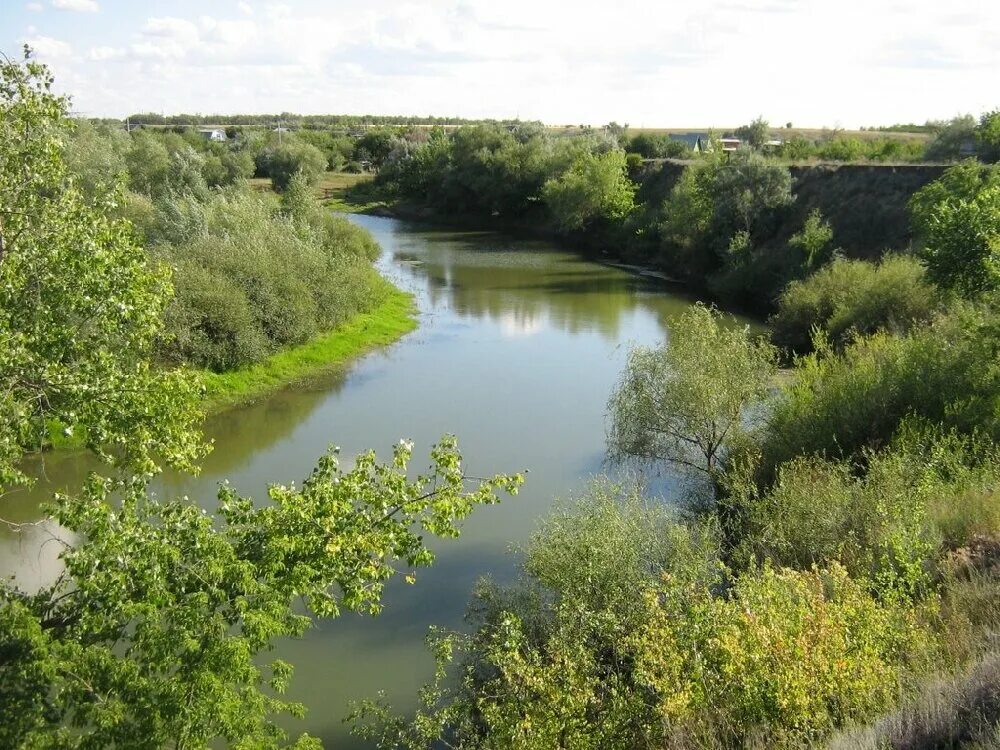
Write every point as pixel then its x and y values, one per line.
pixel 684 402
pixel 282 162
pixel 988 136
pixel 745 190
pixel 80 305
pixel 756 134
pixel 957 218
pixel 813 240
pixel 151 636
pixel 951 137
pixel 596 187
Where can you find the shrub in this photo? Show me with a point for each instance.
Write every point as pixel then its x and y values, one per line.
pixel 957 218
pixel 961 711
pixel 813 240
pixel 249 280
pixel 595 187
pixel 283 161
pixel 851 298
pixel 842 149
pixel 841 404
pixel 888 526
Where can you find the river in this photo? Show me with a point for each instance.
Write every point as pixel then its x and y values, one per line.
pixel 518 347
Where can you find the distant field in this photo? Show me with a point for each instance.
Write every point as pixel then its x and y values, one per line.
pixel 777 132
pixel 331 185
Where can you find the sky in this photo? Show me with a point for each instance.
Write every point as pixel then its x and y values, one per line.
pixel 649 63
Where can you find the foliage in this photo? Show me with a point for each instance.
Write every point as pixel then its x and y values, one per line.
pixel 715 201
pixel 595 187
pixel 813 240
pixel 951 138
pixel 378 327
pixel 850 298
pixel 842 149
pixel 744 190
pixel 95 156
pixel 887 526
pixel 283 161
pixel 684 402
pixel 954 711
pixel 755 134
pixel 150 638
pixel 80 305
pixel 840 404
pixel 958 221
pixel 988 136
pixel 251 280
pixel 654 146
pixel 620 636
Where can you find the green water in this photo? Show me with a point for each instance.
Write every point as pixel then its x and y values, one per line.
pixel 518 347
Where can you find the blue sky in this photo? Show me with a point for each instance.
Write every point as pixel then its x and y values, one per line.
pixel 832 63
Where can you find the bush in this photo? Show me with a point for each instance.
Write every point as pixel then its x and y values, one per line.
pixel 851 298
pixel 817 513
pixel 841 404
pixel 626 632
pixel 813 240
pixel 957 219
pixel 249 280
pixel 930 491
pixel 284 161
pixel 842 149
pixel 594 188
pixel 962 711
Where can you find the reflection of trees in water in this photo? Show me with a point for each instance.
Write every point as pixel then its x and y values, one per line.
pixel 241 433
pixel 573 295
pixel 32 551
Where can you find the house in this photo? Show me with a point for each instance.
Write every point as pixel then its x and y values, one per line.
pixel 693 141
pixel 702 142
pixel 213 134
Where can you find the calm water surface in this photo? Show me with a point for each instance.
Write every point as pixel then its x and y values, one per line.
pixel 518 347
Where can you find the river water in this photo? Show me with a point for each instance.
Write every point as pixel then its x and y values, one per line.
pixel 518 347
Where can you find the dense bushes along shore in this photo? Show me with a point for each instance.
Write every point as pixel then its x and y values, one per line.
pixel 730 224
pixel 253 274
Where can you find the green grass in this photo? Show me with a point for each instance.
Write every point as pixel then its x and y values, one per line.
pixel 350 193
pixel 346 192
pixel 383 325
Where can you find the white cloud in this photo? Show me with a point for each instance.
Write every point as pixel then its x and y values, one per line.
pixel 81 6
pixel 105 53
pixel 713 63
pixel 34 7
pixel 47 48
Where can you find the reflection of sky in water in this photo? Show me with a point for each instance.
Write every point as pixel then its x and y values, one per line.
pixel 517 350
pixel 512 324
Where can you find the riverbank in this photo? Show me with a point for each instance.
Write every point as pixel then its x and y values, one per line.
pixel 382 326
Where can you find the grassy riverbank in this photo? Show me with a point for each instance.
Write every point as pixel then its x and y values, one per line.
pixel 379 327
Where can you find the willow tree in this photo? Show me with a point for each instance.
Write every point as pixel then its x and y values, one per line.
pixel 151 636
pixel 685 402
